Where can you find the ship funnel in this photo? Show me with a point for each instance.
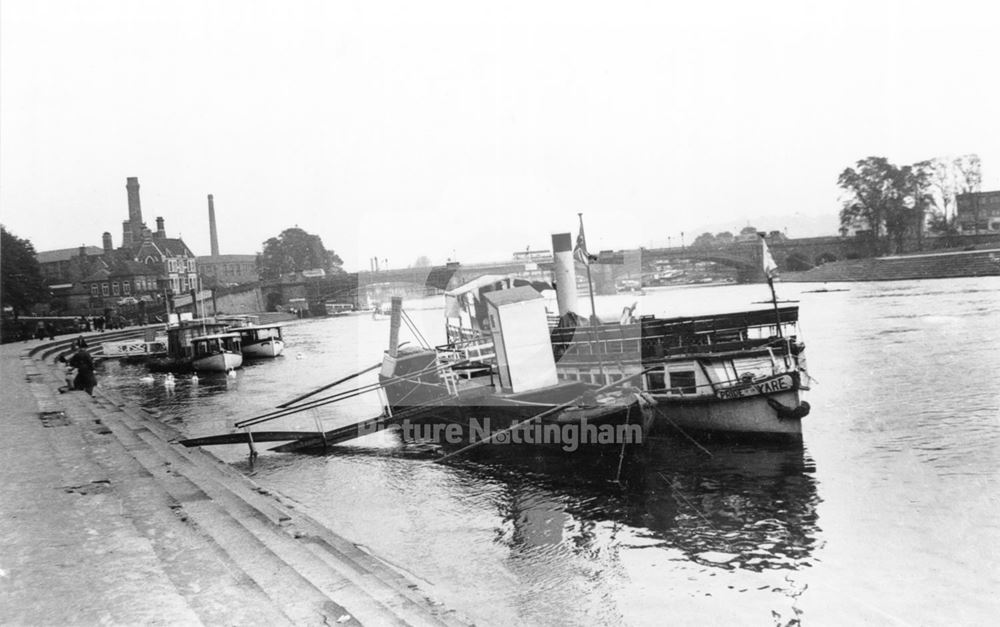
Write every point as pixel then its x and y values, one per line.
pixel 564 272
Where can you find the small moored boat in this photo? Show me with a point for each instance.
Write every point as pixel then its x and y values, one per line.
pixel 216 353
pixel 261 341
pixel 338 309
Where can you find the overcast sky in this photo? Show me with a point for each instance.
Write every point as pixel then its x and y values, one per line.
pixel 467 129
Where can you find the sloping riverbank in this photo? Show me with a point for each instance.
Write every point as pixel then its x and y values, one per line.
pixel 108 520
pixel 905 267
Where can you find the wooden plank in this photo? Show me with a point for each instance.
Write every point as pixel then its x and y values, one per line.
pixel 240 437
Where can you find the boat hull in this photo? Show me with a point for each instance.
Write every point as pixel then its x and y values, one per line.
pixel 570 429
pixel 269 348
pixel 751 417
pixel 218 362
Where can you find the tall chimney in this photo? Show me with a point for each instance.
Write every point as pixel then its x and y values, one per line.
pixel 134 208
pixel 213 233
pixel 564 272
pixel 83 251
pixel 108 245
pixel 160 232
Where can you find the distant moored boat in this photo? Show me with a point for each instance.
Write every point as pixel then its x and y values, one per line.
pixel 216 353
pixel 261 340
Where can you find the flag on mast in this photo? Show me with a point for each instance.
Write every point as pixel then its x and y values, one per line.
pixel 770 268
pixel 580 252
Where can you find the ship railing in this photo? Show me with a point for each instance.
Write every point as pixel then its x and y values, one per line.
pixel 476 356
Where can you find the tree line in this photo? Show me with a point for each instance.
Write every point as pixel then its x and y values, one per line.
pixel 895 202
pixel 295 250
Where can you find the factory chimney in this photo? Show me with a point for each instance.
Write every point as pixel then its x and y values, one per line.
pixel 161 233
pixel 108 245
pixel 213 233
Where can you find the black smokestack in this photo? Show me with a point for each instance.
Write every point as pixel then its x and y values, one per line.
pixel 213 233
pixel 134 207
pixel 108 245
pixel 160 231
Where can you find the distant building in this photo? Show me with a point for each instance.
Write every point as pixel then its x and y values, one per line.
pixel 979 212
pixel 146 267
pixel 67 265
pixel 227 270
pixel 532 255
pixel 224 270
pixel 124 283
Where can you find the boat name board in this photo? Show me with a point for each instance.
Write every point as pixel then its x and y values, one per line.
pixel 770 386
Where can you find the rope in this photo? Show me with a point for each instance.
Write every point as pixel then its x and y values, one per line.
pixel 328 386
pixel 685 434
pixel 336 397
pixel 413 329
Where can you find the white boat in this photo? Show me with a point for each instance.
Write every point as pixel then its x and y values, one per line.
pixel 261 340
pixel 338 309
pixel 216 353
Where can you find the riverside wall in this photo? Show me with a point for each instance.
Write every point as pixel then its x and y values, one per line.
pixel 939 265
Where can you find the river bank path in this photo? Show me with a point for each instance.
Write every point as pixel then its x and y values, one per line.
pixel 105 519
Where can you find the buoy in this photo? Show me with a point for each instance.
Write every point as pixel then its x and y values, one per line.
pixel 169 381
pixel 232 373
pixel 194 378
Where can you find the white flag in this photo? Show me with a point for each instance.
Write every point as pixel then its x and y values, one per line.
pixel 770 268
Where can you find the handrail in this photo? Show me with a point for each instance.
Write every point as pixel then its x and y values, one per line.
pixel 333 398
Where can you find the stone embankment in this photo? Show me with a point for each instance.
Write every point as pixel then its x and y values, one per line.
pixel 107 520
pixel 921 266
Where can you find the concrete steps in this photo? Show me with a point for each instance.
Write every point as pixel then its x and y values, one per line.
pixel 202 573
pixel 292 569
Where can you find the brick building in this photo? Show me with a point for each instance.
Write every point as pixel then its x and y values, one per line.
pixel 979 212
pixel 147 266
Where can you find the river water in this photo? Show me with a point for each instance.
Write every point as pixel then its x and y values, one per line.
pixel 889 515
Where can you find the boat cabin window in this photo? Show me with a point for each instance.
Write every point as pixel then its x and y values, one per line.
pixel 683 382
pixel 656 381
pixel 205 348
pixel 266 334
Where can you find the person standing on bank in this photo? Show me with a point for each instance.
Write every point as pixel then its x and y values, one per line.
pixel 85 379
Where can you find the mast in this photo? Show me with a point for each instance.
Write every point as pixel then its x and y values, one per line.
pixel 583 256
pixel 770 269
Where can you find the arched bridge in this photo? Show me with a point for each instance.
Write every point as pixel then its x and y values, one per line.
pixel 611 267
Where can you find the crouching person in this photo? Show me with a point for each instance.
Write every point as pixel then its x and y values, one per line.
pixel 85 379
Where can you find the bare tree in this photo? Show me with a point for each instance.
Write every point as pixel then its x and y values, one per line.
pixel 969 173
pixel 969 178
pixel 942 178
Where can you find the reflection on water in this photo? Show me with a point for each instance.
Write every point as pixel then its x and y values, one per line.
pixel 756 505
pixel 897 483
